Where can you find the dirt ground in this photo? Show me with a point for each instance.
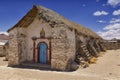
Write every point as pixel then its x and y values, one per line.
pixel 106 68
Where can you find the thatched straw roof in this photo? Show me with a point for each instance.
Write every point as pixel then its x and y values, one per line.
pixel 54 20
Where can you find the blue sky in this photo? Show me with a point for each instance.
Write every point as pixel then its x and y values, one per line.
pixel 101 16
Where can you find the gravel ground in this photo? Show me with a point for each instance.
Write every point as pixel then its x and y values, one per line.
pixel 106 68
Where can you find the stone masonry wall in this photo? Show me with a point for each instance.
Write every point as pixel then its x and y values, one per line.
pixel 63 47
pixel 22 44
pixel 13 57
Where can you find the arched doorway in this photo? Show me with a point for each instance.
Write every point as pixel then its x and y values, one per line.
pixel 42 52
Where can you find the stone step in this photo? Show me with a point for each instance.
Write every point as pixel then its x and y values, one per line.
pixel 36 65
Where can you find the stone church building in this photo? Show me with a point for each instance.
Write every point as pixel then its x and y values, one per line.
pixel 44 37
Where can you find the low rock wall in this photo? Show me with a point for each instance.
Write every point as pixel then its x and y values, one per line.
pixel 111 45
pixel 1 51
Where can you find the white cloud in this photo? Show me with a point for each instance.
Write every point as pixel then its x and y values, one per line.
pixel 101 21
pixel 113 2
pixel 110 34
pixel 1 32
pixel 111 31
pixel 114 20
pixel 112 26
pixel 116 12
pixel 100 13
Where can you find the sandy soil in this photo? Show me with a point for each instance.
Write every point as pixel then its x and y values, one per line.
pixel 106 68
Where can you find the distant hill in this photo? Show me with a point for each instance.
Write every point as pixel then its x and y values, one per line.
pixel 4 37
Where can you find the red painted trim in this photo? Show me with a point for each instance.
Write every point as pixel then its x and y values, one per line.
pixel 36 54
pixel 34 51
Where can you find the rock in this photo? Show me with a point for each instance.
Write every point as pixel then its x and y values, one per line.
pixel 73 66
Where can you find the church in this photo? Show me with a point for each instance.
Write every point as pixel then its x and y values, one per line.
pixel 42 36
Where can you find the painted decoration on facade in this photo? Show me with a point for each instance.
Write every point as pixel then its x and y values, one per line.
pixel 42 33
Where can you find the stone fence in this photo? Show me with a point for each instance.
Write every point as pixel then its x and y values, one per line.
pixel 111 45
